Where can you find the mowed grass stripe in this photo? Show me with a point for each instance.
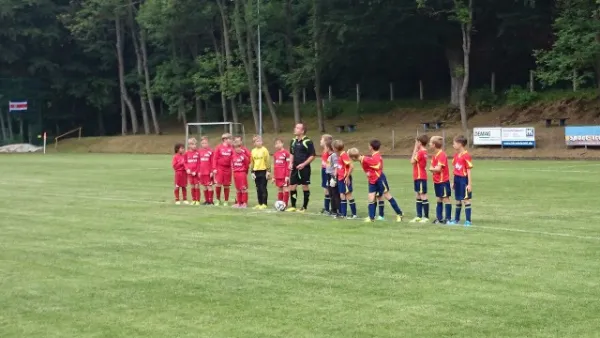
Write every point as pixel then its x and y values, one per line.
pixel 84 267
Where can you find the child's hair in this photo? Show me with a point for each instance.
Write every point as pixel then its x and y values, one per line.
pixel 353 153
pixel 192 140
pixel 237 143
pixel 204 138
pixel 226 136
pixel 437 141
pixel 256 138
pixel 326 138
pixel 375 144
pixel 423 139
pixel 460 139
pixel 278 140
pixel 338 145
pixel 178 146
pixel 237 137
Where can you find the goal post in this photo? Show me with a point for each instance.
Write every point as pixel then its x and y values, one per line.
pixel 213 130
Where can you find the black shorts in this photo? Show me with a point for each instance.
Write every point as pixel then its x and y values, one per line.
pixel 300 177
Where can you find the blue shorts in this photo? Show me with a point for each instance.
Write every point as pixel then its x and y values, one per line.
pixel 344 188
pixel 460 188
pixel 324 179
pixel 442 190
pixel 421 186
pixel 380 187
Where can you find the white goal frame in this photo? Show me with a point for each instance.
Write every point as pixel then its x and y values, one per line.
pixel 228 125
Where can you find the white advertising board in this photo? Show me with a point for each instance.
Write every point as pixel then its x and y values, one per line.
pixel 518 137
pixel 487 136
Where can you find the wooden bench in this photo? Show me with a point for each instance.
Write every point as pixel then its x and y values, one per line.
pixel 562 121
pixel 432 125
pixel 346 128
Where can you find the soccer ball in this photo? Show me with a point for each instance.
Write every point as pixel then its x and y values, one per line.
pixel 279 205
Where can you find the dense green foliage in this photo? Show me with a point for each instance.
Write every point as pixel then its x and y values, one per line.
pixel 122 66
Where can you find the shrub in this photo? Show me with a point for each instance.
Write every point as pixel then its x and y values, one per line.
pixel 519 97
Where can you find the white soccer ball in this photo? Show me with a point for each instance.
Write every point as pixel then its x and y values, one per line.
pixel 279 205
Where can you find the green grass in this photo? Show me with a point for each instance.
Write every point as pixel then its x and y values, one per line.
pixel 92 246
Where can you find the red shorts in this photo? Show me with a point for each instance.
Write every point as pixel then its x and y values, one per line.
pixel 180 179
pixel 205 180
pixel 241 180
pixel 281 182
pixel 223 177
pixel 193 180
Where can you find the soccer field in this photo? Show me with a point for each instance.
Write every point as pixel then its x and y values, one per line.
pixel 92 246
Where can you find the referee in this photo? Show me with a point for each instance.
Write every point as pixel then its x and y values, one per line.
pixel 302 150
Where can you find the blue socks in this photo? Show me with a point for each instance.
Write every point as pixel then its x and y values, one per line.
pixel 395 206
pixel 448 211
pixel 439 208
pixel 372 210
pixel 468 212
pixel 381 205
pixel 327 203
pixel 419 208
pixel 344 207
pixel 458 210
pixel 425 206
pixel 352 207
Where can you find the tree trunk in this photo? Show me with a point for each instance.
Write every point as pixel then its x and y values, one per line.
pixel 316 38
pixel 456 68
pixel 21 129
pixel 121 64
pixel 290 58
pixel 247 59
pixel 228 57
pixel 221 68
pixel 199 114
pixel 123 117
pixel 181 112
pixel 466 36
pixel 11 135
pixel 148 83
pixel 267 94
pixel 139 68
pixel 2 125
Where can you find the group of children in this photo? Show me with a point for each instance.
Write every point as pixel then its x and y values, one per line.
pixel 337 172
pixel 207 168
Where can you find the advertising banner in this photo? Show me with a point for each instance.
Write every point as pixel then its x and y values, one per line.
pixel 487 136
pixel 582 136
pixel 518 137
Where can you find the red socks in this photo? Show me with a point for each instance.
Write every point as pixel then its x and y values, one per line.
pixel 226 191
pixel 244 197
pixel 176 194
pixel 184 193
pixel 286 197
pixel 238 197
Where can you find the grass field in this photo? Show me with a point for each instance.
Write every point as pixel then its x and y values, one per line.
pixel 92 246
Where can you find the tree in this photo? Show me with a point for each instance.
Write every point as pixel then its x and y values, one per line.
pixel 575 54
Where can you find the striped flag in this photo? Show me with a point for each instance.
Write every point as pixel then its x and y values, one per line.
pixel 17 106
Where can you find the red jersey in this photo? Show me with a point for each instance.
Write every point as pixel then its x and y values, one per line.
pixel 420 165
pixel 324 158
pixel 372 167
pixel 239 162
pixel 440 159
pixel 178 162
pixel 461 163
pixel 343 168
pixel 246 151
pixel 205 166
pixel 222 157
pixel 191 160
pixel 281 164
pixel 377 156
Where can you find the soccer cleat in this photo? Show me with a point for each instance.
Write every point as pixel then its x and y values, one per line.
pixel 301 210
pixel 235 206
pixel 398 218
pixel 225 204
pixel 256 207
pixel 424 220
pixel 451 222
pixel 177 203
pixel 368 220
pixel 415 220
pixel 291 209
pixel 353 217
pixel 380 218
pixel 468 223
pixel 264 207
pixel 186 202
pixel 217 203
pixel 437 221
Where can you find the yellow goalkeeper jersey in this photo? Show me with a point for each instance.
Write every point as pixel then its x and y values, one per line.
pixel 260 159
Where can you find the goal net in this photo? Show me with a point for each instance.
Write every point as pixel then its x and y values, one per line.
pixel 213 130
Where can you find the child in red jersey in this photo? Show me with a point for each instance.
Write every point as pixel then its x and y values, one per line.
pixel 419 162
pixel 205 170
pixel 441 180
pixel 344 177
pixel 178 164
pixel 240 163
pixel 191 168
pixel 244 149
pixel 463 163
pixel 326 140
pixel 222 168
pixel 281 171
